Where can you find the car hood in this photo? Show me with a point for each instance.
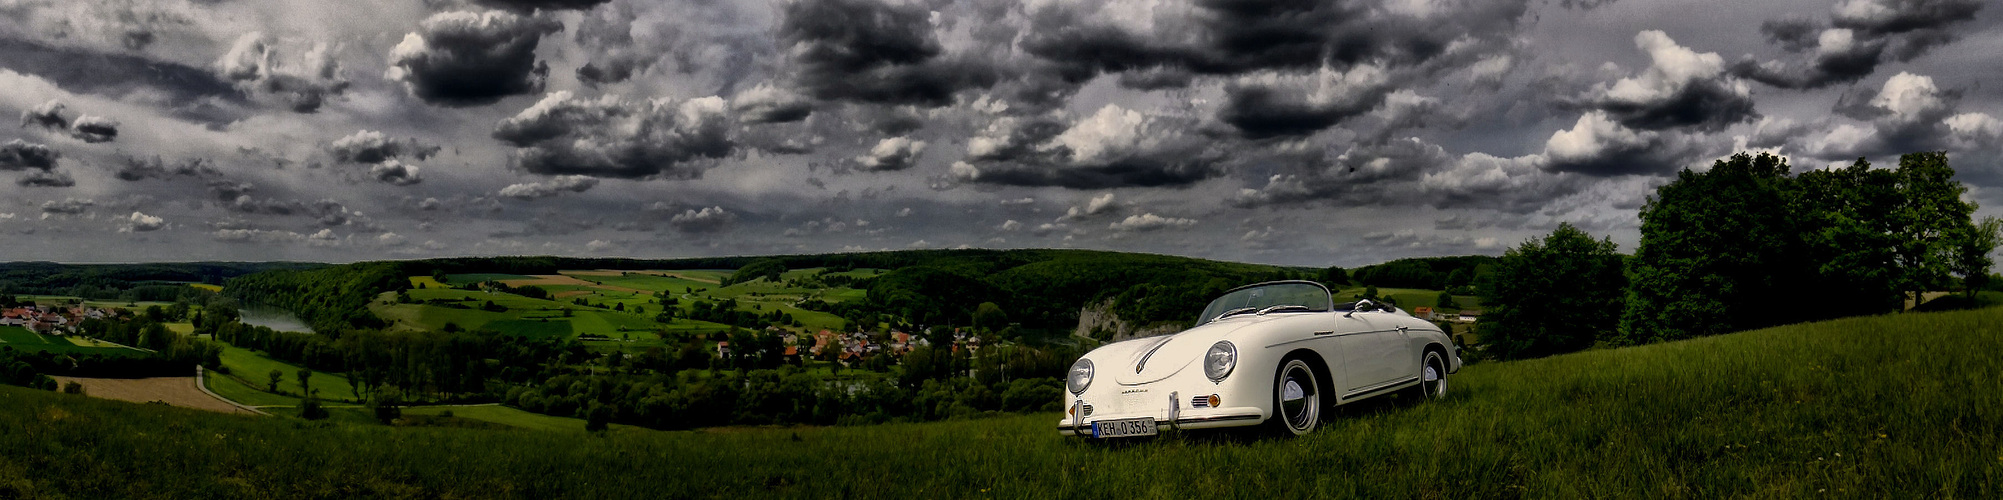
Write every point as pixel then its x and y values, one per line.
pixel 1148 360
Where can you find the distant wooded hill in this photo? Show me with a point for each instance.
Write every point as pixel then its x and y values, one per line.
pixel 164 281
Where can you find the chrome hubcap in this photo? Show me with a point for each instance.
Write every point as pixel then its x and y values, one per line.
pixel 1436 385
pixel 1298 399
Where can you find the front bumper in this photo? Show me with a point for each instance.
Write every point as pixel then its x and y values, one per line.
pixel 1223 417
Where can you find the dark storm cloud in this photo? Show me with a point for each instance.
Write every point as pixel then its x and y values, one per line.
pixel 461 58
pixel 1114 147
pixel 369 146
pixel 609 137
pixel 395 173
pixel 22 155
pixel 1238 36
pixel 48 115
pixel 1680 89
pixel 526 6
pixel 1860 36
pixel 240 197
pixel 86 128
pixel 1883 17
pixel 112 74
pixel 1793 33
pixel 1285 108
pixel 136 169
pixel 94 129
pixel 871 51
pixel 69 206
pixel 46 179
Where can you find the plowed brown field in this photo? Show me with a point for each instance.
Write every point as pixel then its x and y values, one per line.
pixel 177 391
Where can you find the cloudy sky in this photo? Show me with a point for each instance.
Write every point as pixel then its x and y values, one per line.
pixel 1292 132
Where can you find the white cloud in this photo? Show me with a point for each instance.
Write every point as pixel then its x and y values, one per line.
pixel 1149 222
pixel 552 187
pixel 139 222
pixel 891 154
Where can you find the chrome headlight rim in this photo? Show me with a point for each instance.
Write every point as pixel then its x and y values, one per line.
pixel 1074 382
pixel 1214 371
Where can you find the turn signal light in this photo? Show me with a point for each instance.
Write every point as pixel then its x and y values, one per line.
pixel 1215 401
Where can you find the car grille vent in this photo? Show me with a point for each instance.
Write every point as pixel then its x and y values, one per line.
pixel 1085 409
pixel 1199 402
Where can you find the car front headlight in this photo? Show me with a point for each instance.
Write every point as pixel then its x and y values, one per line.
pixel 1081 376
pixel 1218 363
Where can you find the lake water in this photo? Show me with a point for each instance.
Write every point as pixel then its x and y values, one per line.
pixel 274 318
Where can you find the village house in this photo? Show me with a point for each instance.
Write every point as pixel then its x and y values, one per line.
pixel 1468 316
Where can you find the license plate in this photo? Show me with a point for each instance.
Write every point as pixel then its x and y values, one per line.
pixel 1123 428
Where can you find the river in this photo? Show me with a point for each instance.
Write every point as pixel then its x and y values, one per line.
pixel 274 318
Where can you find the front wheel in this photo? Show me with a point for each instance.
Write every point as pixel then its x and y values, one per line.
pixel 1296 398
pixel 1433 376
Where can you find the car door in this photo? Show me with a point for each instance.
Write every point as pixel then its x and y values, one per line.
pixel 1372 348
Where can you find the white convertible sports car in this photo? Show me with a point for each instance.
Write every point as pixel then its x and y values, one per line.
pixel 1273 353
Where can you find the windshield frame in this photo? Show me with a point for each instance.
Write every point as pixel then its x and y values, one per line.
pixel 1218 306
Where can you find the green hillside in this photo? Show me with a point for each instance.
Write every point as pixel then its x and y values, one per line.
pixel 1894 406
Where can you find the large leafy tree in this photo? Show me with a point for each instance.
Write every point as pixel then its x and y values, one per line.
pixel 1552 296
pixel 1972 259
pixel 1931 223
pixel 1848 238
pixel 1713 245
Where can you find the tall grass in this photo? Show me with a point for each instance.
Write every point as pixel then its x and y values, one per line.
pixel 1897 406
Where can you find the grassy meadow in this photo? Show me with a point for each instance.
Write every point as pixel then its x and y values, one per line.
pixel 1892 406
pixel 256 369
pixel 24 340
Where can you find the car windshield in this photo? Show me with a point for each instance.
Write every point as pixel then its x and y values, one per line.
pixel 1306 296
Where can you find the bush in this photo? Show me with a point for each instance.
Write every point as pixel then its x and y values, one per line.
pixel 310 409
pixel 597 418
pixel 387 407
pixel 73 388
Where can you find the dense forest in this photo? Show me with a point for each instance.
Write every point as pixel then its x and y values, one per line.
pixel 1457 274
pixel 156 282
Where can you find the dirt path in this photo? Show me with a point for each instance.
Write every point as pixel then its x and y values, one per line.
pixel 177 391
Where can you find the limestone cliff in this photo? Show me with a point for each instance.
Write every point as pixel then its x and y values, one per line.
pixel 1098 321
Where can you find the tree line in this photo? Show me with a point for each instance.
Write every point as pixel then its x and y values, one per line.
pixel 1745 245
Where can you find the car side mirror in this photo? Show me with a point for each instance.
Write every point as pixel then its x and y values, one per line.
pixel 1364 305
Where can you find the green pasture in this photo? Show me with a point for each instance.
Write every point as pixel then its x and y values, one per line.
pixel 229 387
pixel 24 340
pixel 516 418
pixel 465 279
pixel 1409 298
pixel 426 282
pixel 138 306
pixel 256 369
